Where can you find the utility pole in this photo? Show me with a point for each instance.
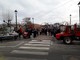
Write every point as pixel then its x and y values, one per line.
pixel 16 18
pixel 70 19
pixel 79 12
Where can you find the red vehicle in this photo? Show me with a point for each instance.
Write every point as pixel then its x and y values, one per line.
pixel 25 34
pixel 69 34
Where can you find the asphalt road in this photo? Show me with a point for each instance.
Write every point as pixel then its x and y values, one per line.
pixel 60 51
pixel 43 48
pixel 32 49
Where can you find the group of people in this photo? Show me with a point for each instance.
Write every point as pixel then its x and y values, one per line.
pixel 36 32
pixel 48 31
pixel 31 32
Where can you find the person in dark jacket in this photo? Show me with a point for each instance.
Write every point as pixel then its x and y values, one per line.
pixel 29 32
pixel 34 33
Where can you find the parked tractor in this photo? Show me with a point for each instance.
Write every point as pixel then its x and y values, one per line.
pixel 69 34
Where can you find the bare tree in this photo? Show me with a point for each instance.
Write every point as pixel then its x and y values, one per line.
pixel 7 16
pixel 27 22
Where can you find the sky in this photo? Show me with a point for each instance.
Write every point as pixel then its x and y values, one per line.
pixel 43 11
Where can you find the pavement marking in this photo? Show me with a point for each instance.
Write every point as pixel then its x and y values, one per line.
pixel 31 42
pixel 34 40
pixel 29 52
pixel 41 40
pixel 42 45
pixel 36 48
pixel 19 44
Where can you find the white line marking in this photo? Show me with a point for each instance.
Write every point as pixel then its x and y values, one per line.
pixel 31 42
pixel 29 52
pixel 45 45
pixel 46 40
pixel 34 40
pixel 41 40
pixel 37 48
pixel 19 44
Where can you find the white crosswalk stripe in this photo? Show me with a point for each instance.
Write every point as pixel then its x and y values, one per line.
pixel 39 42
pixel 30 52
pixel 37 48
pixel 42 45
pixel 34 47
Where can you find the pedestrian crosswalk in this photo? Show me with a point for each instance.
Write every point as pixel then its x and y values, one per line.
pixel 34 47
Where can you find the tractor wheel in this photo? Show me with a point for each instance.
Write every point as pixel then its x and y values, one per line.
pixel 67 40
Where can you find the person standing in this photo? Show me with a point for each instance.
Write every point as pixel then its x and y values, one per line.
pixel 20 31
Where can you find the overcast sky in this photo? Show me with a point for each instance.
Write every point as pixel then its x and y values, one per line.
pixel 50 11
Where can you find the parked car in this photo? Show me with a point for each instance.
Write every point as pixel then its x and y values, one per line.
pixel 14 34
pixel 8 36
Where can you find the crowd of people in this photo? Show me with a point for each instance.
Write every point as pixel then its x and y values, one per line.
pixel 53 31
pixel 30 32
pixel 35 32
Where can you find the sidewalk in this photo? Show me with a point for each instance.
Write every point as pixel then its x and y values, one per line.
pixel 42 37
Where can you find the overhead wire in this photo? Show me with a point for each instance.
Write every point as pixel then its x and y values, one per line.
pixel 57 7
pixel 50 12
pixel 53 10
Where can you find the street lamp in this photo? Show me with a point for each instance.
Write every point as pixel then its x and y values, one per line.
pixel 70 19
pixel 16 18
pixel 79 12
pixel 8 22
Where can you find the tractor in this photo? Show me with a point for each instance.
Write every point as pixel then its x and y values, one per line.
pixel 69 34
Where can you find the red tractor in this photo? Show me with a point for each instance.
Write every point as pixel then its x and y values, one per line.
pixel 69 34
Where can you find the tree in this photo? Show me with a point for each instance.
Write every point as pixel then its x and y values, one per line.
pixel 27 22
pixel 7 17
